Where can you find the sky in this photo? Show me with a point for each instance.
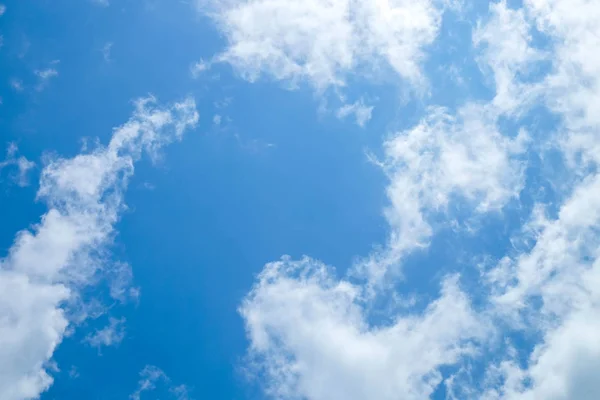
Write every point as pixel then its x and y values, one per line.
pixel 316 200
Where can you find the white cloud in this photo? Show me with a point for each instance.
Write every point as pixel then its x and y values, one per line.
pixel 310 335
pixel 506 41
pixel 199 67
pixel 310 332
pixel 362 113
pixel 23 165
pixel 2 9
pixel 102 3
pixel 574 85
pixel 563 271
pixel 106 49
pixel 324 41
pixel 73 372
pixel 16 84
pixel 443 158
pixel 120 277
pixel 45 75
pixel 111 335
pixel 151 377
pixel 551 289
pixel 48 265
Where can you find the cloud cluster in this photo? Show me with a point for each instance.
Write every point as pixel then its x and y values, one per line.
pixel 314 333
pixel 324 41
pixel 48 265
pixel 552 288
pixel 311 333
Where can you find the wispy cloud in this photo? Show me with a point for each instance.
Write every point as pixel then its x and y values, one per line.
pixel 198 68
pixel 152 377
pixel 16 84
pixel 111 335
pixel 22 164
pixel 362 113
pixel 106 51
pixel 102 3
pixel 44 75
pixel 47 266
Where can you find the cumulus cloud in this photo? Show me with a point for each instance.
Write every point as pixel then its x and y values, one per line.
pixel 48 265
pixel 444 158
pixel 551 290
pixel 506 40
pixel 310 334
pixel 324 41
pixel 310 331
pixel 562 271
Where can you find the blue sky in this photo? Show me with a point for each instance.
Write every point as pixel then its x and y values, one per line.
pixel 341 199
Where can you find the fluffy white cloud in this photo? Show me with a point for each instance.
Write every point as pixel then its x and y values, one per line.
pixel 562 272
pixel 444 158
pixel 47 265
pixel 310 334
pixel 551 290
pixel 324 41
pixel 506 41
